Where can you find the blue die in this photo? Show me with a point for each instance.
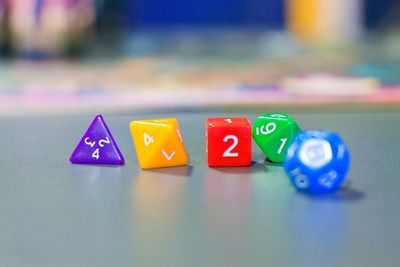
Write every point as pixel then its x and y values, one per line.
pixel 317 161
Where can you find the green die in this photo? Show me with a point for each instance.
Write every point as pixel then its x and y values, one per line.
pixel 274 133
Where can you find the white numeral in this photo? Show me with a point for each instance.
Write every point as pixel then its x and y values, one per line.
pixel 147 139
pixel 228 152
pixel 96 154
pixel 87 141
pixel 104 141
pixel 266 129
pixel 300 179
pixel 179 134
pixel 341 150
pixel 168 157
pixel 283 140
pixel 328 180
pixel 277 116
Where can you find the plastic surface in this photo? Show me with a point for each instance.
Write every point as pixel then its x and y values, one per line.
pixel 273 133
pixel 228 142
pixel 317 161
pixel 97 146
pixel 158 143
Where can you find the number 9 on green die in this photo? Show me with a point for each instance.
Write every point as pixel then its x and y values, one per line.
pixel 273 133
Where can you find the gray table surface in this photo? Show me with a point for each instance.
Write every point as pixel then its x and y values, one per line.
pixel 53 213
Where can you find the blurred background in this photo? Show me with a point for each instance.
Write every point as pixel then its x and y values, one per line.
pixel 76 56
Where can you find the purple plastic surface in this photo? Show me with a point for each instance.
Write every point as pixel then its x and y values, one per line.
pixel 97 146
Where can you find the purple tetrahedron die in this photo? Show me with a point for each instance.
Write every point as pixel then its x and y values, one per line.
pixel 97 146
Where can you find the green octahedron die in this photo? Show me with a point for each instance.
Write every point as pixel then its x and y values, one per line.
pixel 273 133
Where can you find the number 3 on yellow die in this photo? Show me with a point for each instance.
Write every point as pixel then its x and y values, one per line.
pixel 158 143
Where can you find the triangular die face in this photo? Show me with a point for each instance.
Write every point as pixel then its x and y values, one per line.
pixel 275 148
pixel 158 143
pixel 265 127
pixel 171 152
pixel 97 146
pixel 148 134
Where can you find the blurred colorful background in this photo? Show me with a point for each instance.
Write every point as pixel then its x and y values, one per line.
pixel 75 56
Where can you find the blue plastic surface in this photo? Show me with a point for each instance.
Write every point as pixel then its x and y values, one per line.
pixel 317 161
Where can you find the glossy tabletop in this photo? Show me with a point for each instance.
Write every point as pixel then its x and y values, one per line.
pixel 53 213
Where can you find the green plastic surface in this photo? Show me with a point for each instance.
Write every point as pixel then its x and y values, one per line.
pixel 273 133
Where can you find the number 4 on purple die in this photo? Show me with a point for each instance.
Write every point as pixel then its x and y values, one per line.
pixel 97 146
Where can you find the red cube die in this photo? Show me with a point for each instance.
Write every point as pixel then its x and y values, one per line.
pixel 228 142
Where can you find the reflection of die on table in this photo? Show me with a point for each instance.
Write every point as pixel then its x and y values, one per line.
pixel 158 143
pixel 317 161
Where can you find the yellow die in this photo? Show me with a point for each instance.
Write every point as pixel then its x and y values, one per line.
pixel 158 143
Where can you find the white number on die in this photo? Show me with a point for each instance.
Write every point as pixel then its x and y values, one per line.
pixel 179 134
pixel 283 142
pixel 228 153
pixel 328 179
pixel 96 154
pixel 104 141
pixel 266 129
pixel 168 157
pixel 147 139
pixel 277 116
pixel 87 141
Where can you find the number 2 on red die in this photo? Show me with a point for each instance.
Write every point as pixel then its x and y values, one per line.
pixel 228 142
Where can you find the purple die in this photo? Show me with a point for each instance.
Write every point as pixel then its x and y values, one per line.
pixel 97 146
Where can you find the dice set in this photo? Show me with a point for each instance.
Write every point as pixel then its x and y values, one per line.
pixel 315 161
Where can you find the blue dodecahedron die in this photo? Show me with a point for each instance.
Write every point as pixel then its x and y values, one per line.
pixel 317 161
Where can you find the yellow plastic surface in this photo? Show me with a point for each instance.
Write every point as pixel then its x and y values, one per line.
pixel 158 143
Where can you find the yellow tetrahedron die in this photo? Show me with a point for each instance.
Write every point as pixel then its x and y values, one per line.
pixel 158 143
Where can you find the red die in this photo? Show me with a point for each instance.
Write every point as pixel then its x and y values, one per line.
pixel 228 142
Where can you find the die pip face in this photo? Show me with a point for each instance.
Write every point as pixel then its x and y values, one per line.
pixel 228 142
